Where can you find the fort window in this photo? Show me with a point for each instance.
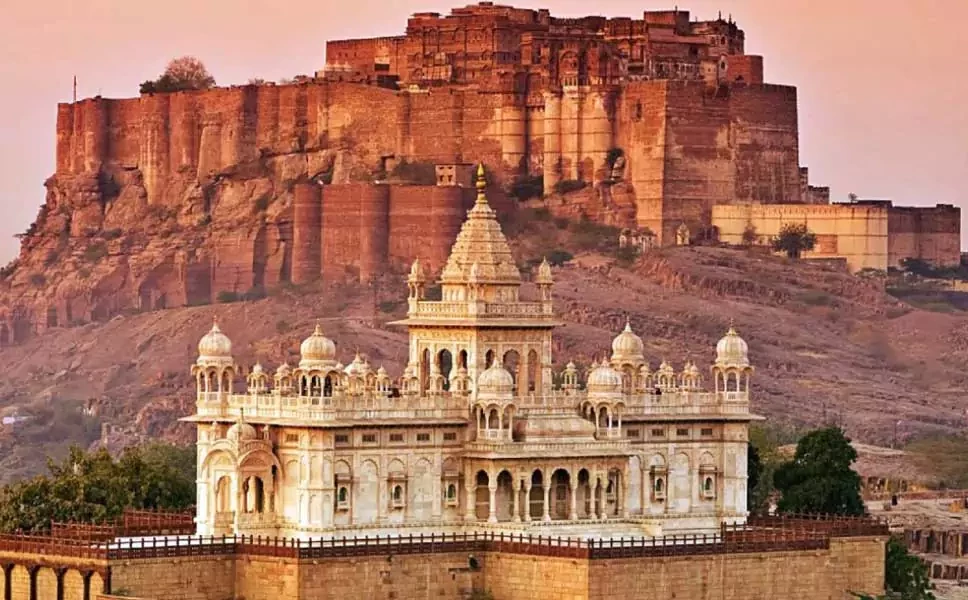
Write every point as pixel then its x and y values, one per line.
pixel 682 432
pixel 633 433
pixel 450 436
pixel 369 438
pixel 638 111
pixel 658 433
pixel 451 495
pixel 398 496
pixel 396 437
pixel 658 489
pixel 292 438
pixel 423 437
pixel 342 439
pixel 706 432
pixel 343 499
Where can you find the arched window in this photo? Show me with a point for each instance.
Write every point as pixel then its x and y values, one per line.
pixel 328 386
pixel 397 493
pixel 658 485
pixel 341 496
pixel 707 485
pixel 451 492
pixel 488 359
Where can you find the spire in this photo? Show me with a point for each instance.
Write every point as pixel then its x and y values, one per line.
pixel 628 324
pixel 481 185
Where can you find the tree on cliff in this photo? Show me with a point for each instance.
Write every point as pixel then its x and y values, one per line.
pixel 819 479
pixel 94 487
pixel 184 73
pixel 794 239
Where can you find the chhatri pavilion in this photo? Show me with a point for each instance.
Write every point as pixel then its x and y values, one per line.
pixel 478 431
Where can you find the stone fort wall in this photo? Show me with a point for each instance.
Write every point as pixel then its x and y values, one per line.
pixel 867 235
pixel 854 564
pixel 688 146
pixel 800 567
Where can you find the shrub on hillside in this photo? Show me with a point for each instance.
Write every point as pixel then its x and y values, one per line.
pixel 524 187
pixel 566 186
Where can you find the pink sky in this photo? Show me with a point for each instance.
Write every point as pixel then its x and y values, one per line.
pixel 882 83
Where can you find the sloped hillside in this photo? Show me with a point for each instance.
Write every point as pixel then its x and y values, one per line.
pixel 827 346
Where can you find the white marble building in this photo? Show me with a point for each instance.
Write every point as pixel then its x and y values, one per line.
pixel 479 431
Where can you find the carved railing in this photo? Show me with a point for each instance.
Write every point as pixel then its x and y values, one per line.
pixel 371 405
pixel 781 533
pixel 132 523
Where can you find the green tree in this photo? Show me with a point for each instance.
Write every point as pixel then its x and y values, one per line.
pixel 905 575
pixel 819 479
pixel 749 234
pixel 94 487
pixel 183 73
pixel 794 239
pixel 754 469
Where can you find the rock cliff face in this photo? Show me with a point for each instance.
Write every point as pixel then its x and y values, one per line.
pixel 187 198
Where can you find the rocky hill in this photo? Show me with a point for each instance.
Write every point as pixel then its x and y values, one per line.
pixel 827 346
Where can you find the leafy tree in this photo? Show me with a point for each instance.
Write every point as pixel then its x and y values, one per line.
pixel 94 487
pixel 905 576
pixel 794 239
pixel 558 257
pixel 819 478
pixel 184 73
pixel 749 235
pixel 754 469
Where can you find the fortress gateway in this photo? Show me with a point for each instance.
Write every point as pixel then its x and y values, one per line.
pixel 478 429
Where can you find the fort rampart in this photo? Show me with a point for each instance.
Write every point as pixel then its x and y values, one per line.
pixel 833 557
pixel 868 235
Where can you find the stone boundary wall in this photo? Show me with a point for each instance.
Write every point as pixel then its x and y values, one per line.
pixel 833 554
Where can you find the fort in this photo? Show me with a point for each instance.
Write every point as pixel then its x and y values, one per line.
pixel 659 124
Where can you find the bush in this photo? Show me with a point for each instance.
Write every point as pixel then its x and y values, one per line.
pixel 95 252
pixel 627 255
pixel 794 239
pixel 255 293
pixel 566 186
pixel 527 186
pixel 815 298
pixel 226 296
pixel 388 306
pixel 558 257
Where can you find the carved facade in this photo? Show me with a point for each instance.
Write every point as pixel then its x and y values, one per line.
pixel 479 428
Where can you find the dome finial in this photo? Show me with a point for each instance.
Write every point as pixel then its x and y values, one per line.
pixel 481 184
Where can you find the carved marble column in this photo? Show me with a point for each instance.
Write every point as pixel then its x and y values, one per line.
pixel 546 488
pixel 492 501
pixel 573 509
pixel 527 501
pixel 516 517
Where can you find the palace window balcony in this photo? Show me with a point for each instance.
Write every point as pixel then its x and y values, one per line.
pixel 609 434
pixel 493 435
